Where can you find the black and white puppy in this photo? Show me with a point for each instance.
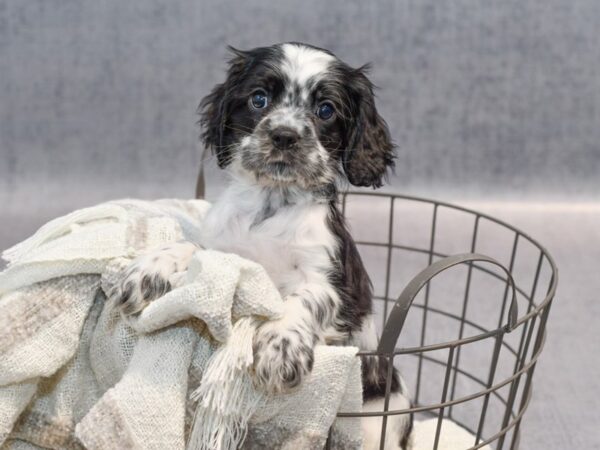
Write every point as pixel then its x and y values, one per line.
pixel 291 124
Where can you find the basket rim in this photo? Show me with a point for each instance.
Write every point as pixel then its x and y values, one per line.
pixel 522 365
pixel 544 253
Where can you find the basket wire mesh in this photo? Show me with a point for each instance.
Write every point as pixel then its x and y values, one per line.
pixel 473 325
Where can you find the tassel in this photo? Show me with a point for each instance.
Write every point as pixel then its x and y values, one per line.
pixel 226 396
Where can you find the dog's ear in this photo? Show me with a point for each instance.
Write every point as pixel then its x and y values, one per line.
pixel 215 108
pixel 370 151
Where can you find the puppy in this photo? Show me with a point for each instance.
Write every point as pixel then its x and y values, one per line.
pixel 291 124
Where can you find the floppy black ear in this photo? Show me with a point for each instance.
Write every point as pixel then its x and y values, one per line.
pixel 370 151
pixel 215 108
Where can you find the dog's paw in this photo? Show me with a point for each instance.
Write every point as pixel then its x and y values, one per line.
pixel 152 275
pixel 283 356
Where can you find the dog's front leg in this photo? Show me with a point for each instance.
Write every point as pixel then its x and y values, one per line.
pixel 284 348
pixel 152 275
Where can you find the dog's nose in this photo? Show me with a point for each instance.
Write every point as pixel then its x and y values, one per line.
pixel 284 138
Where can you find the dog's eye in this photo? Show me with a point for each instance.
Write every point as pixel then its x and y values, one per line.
pixel 325 111
pixel 259 99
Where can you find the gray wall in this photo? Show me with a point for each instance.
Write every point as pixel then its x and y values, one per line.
pixel 484 98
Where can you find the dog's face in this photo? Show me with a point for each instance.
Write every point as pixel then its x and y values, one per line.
pixel 295 115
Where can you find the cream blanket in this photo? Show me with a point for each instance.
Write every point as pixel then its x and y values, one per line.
pixel 74 373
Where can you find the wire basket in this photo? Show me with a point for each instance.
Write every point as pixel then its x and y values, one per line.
pixel 466 332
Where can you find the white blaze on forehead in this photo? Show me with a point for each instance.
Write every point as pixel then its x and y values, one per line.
pixel 301 63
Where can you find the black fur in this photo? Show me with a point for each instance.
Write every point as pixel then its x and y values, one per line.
pixel 407 434
pixel 150 287
pixel 375 375
pixel 226 104
pixel 350 277
pixel 370 151
pixel 354 287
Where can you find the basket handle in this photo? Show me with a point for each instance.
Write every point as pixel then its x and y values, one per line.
pixel 200 181
pixel 397 316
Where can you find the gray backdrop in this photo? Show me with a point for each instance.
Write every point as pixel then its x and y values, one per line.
pixel 495 102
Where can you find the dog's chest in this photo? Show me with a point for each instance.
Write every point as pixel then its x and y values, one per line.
pixel 293 243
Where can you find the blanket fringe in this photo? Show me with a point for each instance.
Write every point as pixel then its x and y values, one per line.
pixel 226 396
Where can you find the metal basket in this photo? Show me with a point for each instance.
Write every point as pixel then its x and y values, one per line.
pixel 466 332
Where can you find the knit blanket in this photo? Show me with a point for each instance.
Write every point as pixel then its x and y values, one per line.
pixel 76 374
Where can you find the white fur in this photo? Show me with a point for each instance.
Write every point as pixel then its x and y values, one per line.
pixel 294 245
pixel 366 338
pixel 301 63
pixel 396 424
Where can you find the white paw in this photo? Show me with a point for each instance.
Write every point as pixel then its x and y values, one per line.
pixel 152 275
pixel 283 356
